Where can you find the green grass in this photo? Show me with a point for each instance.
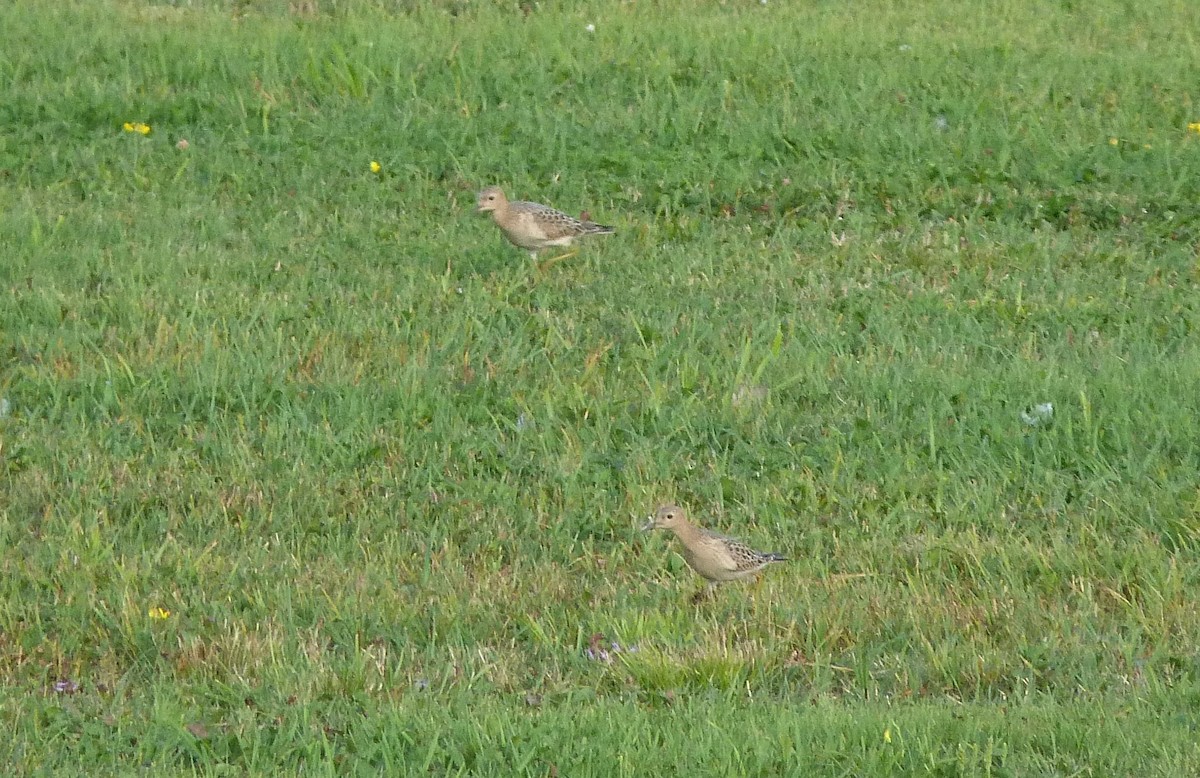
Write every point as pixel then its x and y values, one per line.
pixel 385 477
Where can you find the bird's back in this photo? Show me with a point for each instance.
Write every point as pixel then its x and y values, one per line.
pixel 553 223
pixel 726 558
pixel 718 557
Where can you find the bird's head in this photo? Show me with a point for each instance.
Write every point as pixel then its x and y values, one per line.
pixel 490 199
pixel 666 517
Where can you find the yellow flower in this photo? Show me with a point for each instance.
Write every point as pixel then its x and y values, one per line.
pixel 127 127
pixel 375 166
pixel 1194 127
pixel 158 614
pixel 887 735
pixel 142 128
pixel 1113 141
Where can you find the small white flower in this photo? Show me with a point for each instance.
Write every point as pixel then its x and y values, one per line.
pixel 1038 414
pixel 747 394
pixel 590 28
pixel 905 47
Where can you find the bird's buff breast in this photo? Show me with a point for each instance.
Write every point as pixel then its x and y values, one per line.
pixel 524 232
pixel 709 565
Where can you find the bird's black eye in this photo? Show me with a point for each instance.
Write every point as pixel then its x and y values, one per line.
pixel 670 515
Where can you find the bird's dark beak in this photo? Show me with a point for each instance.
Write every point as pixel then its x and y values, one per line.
pixel 648 525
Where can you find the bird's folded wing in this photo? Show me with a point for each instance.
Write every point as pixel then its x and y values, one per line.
pixel 552 223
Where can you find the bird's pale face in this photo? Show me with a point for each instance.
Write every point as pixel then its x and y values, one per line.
pixel 489 200
pixel 666 517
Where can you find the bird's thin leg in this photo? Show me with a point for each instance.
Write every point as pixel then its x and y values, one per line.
pixel 545 265
pixel 704 593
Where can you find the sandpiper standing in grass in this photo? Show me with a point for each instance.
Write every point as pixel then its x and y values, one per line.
pixel 534 226
pixel 715 557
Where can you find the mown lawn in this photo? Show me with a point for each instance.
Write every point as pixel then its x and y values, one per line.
pixel 305 470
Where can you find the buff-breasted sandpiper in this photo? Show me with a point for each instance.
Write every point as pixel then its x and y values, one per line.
pixel 534 226
pixel 715 557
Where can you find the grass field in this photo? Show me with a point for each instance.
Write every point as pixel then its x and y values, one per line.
pixel 305 470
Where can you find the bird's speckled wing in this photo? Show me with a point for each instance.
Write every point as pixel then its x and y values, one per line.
pixel 553 223
pixel 741 556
